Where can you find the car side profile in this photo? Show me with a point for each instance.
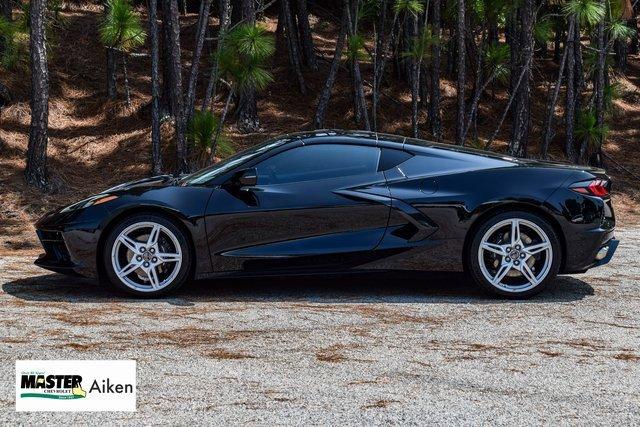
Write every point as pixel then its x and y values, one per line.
pixel 336 201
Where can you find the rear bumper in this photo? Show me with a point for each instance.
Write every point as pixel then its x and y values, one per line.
pixel 605 253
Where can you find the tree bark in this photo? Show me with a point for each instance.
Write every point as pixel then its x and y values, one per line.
pixel 223 117
pixel 175 72
pixel 247 107
pixel 292 43
pixel 225 19
pixel 379 34
pixel 362 115
pixel 325 95
pixel 306 36
pixel 599 87
pixel 434 99
pixel 203 19
pixel 36 169
pixel 522 119
pixel 125 72
pixel 112 85
pixel 156 156
pixel 5 9
pixel 570 104
pixel 460 84
pixel 547 132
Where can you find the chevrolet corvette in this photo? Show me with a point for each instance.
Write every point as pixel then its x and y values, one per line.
pixel 337 201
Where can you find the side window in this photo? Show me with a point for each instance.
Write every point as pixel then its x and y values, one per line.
pixel 391 157
pixel 314 162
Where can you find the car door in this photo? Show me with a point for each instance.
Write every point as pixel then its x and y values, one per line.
pixel 313 205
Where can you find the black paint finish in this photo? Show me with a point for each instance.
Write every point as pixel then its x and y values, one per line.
pixel 381 202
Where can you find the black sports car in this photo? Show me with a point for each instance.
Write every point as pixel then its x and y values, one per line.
pixel 334 201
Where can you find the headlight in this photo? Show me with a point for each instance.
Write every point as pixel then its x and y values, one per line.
pixel 91 201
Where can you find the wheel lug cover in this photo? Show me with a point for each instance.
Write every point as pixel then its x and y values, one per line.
pixel 517 263
pixel 143 249
pixel 517 247
pixel 146 264
pixel 139 258
pixel 152 250
pixel 154 259
pixel 508 248
pixel 522 255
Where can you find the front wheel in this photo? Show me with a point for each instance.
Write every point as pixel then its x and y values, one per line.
pixel 514 254
pixel 147 255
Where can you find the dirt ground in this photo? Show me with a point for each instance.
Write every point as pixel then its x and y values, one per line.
pixel 96 143
pixel 393 348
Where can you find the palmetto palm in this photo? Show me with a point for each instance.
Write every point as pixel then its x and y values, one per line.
pixel 243 58
pixel 122 30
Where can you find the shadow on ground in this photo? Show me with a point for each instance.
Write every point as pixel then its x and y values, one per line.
pixel 388 287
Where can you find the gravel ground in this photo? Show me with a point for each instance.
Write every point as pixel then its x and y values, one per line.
pixel 374 349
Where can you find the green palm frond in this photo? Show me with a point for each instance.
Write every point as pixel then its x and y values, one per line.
pixel 590 59
pixel 121 28
pixel 421 44
pixel 15 38
pixel 368 10
pixel 543 30
pixel 252 41
pixel 612 92
pixel 588 12
pixel 619 30
pixel 587 127
pixel 414 7
pixel 202 128
pixel 496 60
pixel 355 47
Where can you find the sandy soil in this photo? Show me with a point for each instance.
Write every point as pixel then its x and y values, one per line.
pixel 367 349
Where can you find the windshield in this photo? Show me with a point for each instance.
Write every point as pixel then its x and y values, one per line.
pixel 207 174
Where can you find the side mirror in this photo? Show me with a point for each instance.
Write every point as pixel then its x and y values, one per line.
pixel 248 178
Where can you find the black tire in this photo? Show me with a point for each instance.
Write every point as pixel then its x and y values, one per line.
pixel 473 262
pixel 185 267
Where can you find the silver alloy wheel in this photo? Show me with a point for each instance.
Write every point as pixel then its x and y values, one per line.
pixel 146 256
pixel 515 255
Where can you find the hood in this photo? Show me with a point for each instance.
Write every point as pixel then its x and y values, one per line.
pixel 154 181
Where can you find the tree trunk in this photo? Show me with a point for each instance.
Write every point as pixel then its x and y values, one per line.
pixel 325 95
pixel 379 35
pixel 203 19
pixel 570 104
pixel 415 84
pixel 36 169
pixel 166 107
pixel 125 72
pixel 175 71
pixel 156 156
pixel 247 107
pixel 599 87
pixel 5 9
pixel 522 119
pixel 362 115
pixel 112 90
pixel 547 132
pixel 292 43
pixel 460 84
pixel 223 117
pixel 225 19
pixel 434 101
pixel 306 37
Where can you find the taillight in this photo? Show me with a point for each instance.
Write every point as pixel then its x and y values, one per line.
pixel 597 187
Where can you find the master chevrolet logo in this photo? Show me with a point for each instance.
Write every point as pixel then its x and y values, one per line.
pixel 52 386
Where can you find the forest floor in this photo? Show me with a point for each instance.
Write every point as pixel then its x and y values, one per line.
pixel 96 143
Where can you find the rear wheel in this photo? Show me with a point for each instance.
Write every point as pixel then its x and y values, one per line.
pixel 514 254
pixel 147 255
